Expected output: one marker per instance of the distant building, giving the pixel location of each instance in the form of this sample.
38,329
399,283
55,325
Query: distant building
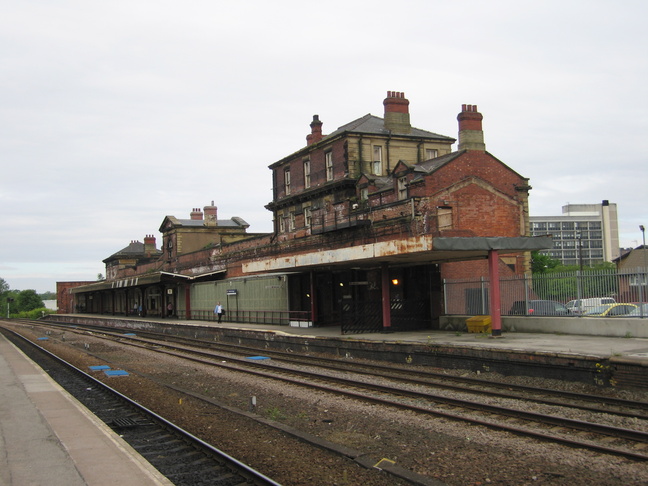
633,267
585,234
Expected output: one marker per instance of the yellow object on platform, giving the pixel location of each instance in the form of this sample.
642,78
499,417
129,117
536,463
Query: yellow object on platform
479,324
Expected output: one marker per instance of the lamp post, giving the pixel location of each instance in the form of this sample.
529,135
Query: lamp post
643,249
579,242
643,238
643,282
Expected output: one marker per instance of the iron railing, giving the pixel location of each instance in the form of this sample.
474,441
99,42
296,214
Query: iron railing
471,296
271,317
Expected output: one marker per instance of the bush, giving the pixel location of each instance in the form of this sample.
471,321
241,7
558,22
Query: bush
34,314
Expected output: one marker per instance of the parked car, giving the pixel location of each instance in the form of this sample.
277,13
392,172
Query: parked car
611,310
581,306
538,308
640,311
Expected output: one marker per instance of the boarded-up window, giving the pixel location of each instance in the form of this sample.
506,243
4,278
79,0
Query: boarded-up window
444,216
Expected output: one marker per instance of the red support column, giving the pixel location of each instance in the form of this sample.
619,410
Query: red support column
495,300
386,300
187,291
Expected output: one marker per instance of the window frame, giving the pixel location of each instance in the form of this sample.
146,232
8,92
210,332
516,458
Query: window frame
307,174
377,162
402,188
287,181
328,162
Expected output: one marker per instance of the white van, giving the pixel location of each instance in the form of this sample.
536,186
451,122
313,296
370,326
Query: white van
580,306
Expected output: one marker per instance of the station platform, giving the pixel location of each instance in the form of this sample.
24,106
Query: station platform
48,438
593,346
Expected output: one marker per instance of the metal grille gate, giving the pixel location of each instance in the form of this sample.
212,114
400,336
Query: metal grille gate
366,316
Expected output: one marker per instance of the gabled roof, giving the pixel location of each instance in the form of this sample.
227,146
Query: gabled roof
375,125
369,125
134,250
234,222
635,258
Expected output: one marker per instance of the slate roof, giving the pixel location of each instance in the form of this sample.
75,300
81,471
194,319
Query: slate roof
634,258
375,125
133,250
234,222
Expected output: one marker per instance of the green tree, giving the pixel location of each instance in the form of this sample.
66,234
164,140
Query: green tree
48,296
4,287
4,295
542,263
28,300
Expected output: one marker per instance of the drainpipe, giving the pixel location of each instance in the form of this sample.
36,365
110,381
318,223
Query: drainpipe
495,301
360,168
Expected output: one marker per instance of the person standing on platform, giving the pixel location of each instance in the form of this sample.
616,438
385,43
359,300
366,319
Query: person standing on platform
218,310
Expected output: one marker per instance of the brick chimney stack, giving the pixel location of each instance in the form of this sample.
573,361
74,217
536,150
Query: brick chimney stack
196,214
471,135
316,131
149,244
397,117
211,215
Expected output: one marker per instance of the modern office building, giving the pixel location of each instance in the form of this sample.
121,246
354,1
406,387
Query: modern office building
585,234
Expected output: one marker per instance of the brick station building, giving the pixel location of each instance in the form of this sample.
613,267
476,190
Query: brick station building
368,221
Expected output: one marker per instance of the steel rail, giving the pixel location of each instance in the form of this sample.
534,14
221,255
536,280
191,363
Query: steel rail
245,472
531,416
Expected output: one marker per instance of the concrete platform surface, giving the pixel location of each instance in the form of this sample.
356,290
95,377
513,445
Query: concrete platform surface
48,438
599,346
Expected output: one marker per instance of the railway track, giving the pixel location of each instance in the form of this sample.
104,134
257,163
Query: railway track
549,426
180,456
466,384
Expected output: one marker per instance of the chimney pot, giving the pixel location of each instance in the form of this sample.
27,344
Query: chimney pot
471,134
397,118
211,215
316,131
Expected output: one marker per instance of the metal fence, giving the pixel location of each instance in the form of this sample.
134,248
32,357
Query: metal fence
471,296
272,317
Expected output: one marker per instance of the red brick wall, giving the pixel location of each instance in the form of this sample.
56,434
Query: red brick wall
64,299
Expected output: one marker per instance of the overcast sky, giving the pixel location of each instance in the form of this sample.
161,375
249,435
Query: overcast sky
116,114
